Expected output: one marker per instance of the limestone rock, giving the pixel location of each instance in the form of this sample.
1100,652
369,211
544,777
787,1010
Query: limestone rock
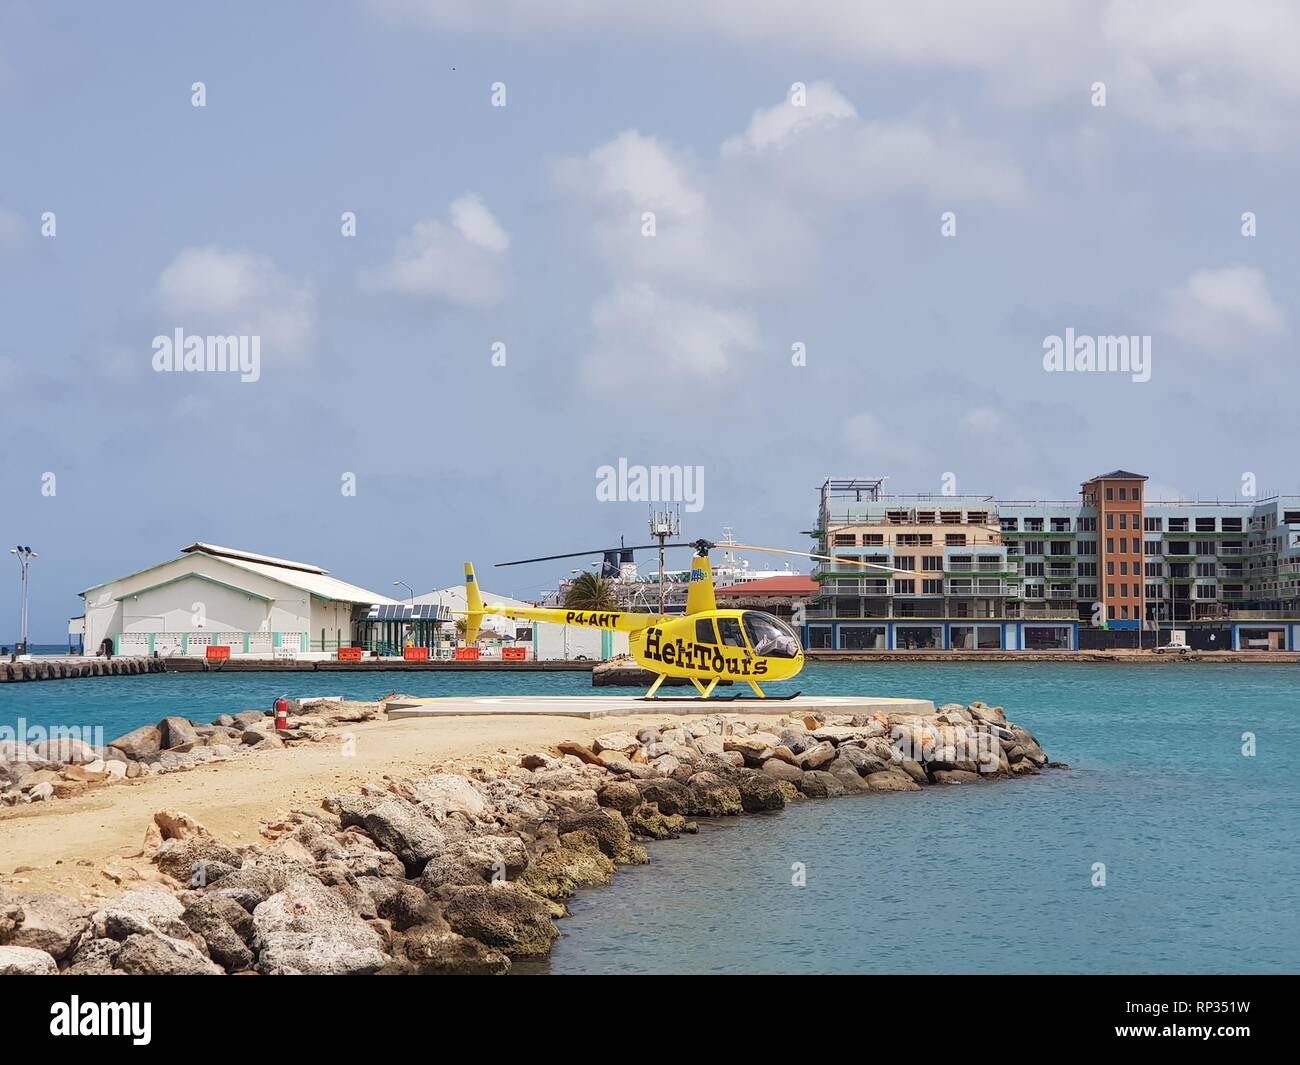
501,915
429,950
144,742
152,954
611,832
26,961
43,921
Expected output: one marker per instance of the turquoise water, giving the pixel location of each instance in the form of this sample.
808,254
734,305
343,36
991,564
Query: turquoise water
1198,841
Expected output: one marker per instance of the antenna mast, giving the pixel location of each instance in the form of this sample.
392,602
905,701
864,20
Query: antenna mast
663,526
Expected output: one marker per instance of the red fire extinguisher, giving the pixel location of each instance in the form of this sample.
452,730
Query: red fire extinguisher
282,713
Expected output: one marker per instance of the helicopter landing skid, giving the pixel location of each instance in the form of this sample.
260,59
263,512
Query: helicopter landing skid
737,697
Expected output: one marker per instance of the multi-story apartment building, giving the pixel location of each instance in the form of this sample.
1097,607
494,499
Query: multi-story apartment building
1034,574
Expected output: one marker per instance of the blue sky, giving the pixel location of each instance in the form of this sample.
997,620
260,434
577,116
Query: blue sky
775,224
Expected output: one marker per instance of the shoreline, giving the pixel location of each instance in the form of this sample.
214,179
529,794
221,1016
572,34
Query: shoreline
438,845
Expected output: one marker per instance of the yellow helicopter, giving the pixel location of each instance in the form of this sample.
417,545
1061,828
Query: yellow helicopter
705,645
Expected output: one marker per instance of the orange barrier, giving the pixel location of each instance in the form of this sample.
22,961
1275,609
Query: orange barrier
415,654
349,654
466,654
514,654
217,653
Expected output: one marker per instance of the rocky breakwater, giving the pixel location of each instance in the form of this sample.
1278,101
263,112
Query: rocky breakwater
66,668
63,766
463,869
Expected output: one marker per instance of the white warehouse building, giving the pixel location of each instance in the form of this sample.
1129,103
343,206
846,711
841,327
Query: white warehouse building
213,596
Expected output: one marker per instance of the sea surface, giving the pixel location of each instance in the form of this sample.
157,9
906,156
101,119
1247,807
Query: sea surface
1199,841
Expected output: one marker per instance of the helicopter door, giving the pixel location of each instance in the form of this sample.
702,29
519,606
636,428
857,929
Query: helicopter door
731,633
704,631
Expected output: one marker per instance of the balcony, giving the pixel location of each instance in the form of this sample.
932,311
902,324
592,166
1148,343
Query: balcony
980,588
867,588
1000,567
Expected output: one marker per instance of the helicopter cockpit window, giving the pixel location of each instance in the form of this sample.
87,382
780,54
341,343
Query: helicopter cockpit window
729,629
704,631
769,636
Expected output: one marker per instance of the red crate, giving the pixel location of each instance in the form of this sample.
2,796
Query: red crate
349,654
415,654
466,654
514,654
217,653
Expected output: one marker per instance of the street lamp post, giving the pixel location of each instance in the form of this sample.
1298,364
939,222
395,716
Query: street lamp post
25,556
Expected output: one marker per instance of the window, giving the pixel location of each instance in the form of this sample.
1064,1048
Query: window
1010,524
955,540
1033,547
1123,520
729,628
704,631
1110,521
1205,525
1123,493
1137,492
932,563
1087,547
1123,545
873,539
1110,569
1178,525
1123,613
1033,569
1153,569
1087,524
1087,591
1205,569
932,587
1231,525
907,587
1153,591
1123,569
1152,524
1060,525
862,637
1110,493
1087,569
1151,547
1110,593
1205,547
1110,545
918,638
845,540
905,562
768,636
1123,591
1033,525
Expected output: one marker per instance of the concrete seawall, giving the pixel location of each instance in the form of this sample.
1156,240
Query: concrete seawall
66,668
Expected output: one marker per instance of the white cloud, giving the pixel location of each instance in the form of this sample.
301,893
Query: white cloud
463,263
1229,309
874,447
774,127
983,421
225,292
475,223
638,329
747,223
1219,74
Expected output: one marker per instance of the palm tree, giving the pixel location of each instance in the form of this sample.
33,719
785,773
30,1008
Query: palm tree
590,591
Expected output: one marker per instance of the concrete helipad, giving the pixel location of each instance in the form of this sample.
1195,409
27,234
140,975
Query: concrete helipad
592,706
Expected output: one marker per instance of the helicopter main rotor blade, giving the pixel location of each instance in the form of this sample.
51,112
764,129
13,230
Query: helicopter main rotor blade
825,558
585,554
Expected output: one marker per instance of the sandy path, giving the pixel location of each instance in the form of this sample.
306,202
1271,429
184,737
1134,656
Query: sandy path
66,843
